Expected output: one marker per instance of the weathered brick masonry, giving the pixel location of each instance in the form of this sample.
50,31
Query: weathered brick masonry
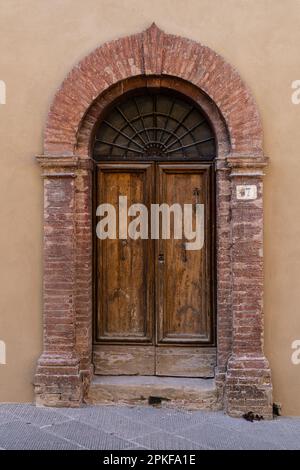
152,59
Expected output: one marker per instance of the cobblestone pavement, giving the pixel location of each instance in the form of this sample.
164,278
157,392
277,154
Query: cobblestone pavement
24,426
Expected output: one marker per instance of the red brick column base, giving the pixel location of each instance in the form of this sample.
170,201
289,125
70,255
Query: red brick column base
248,386
58,382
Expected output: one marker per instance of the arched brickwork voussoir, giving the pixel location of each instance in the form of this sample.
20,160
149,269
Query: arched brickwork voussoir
64,369
153,52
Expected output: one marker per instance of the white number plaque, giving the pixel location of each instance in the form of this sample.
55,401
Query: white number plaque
246,192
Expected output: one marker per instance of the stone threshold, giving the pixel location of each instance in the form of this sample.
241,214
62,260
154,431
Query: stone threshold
179,392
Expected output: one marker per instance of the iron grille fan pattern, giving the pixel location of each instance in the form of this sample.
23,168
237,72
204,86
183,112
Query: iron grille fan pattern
157,125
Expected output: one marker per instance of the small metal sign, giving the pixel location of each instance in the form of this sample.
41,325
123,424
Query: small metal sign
246,192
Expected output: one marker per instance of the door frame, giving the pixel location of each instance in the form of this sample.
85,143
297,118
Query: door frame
153,58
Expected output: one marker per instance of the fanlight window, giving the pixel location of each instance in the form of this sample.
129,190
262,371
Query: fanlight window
155,125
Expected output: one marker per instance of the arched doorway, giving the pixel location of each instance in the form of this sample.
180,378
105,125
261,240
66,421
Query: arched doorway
155,310
153,60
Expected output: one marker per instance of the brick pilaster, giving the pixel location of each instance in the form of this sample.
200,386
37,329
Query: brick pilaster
58,380
248,377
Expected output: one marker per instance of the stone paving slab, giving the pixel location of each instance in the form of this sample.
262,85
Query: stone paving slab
216,437
24,426
22,436
86,436
175,420
34,415
6,417
281,432
109,419
165,441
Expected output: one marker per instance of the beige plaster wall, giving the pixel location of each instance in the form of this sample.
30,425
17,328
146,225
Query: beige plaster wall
40,40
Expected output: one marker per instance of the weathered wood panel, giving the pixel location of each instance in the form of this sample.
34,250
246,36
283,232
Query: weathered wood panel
185,362
124,360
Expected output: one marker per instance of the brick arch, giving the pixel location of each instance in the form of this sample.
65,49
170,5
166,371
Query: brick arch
154,59
153,52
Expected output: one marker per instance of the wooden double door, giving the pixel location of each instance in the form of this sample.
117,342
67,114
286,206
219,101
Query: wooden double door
154,297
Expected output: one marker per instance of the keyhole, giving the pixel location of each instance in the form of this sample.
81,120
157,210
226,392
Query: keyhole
123,246
161,258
